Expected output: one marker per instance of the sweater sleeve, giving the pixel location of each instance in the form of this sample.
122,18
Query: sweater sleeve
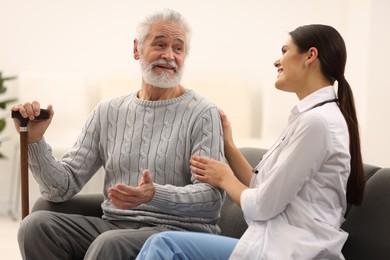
59,180
197,199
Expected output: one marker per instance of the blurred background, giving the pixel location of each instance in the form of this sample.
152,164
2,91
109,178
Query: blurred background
73,54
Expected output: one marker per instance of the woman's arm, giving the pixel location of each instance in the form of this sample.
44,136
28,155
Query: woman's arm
233,178
240,166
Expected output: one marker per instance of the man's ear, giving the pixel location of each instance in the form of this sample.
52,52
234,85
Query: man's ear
136,54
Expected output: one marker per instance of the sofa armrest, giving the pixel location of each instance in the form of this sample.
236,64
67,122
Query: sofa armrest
83,204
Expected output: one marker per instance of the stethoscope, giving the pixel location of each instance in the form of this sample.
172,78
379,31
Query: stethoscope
256,169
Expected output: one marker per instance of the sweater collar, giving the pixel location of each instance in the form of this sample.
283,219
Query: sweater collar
156,103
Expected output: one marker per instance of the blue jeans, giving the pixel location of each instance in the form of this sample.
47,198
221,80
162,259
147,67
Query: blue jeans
187,246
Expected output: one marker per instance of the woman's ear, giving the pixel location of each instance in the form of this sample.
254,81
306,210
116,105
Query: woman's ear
312,55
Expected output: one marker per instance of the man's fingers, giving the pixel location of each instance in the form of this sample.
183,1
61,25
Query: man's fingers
147,178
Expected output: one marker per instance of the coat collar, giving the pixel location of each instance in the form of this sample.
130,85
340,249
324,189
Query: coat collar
321,95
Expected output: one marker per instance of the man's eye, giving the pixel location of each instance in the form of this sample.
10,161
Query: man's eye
179,49
159,45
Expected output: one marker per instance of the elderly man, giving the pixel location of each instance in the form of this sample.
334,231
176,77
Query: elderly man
144,141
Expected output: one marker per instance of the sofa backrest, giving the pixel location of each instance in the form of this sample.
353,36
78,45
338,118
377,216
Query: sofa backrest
369,171
368,225
232,222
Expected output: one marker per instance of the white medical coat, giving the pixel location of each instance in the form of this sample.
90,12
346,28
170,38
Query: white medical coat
297,201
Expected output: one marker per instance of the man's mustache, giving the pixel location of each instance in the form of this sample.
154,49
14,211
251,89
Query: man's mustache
171,63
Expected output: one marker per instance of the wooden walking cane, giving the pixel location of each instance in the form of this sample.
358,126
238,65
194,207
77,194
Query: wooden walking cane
23,122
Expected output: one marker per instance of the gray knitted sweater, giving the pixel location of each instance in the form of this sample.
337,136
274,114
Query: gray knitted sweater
126,135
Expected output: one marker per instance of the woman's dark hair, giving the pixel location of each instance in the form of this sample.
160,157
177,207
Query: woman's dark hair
332,55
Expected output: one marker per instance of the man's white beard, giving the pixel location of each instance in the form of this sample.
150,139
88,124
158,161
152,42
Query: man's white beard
164,80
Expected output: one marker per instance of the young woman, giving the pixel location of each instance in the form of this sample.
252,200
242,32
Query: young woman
295,199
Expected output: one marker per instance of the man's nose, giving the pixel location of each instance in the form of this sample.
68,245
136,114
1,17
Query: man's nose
169,54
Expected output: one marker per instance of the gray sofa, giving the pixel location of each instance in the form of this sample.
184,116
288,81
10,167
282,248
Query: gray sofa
368,225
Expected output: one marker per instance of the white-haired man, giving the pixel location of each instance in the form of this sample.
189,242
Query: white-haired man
144,141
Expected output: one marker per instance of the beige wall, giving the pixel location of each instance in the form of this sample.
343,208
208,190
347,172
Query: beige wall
234,43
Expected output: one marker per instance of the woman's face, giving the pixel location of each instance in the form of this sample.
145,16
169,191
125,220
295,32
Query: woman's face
290,68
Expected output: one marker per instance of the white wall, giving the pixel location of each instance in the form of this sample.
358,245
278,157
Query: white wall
377,128
232,41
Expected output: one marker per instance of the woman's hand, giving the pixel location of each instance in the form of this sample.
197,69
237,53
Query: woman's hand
218,174
211,171
227,129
